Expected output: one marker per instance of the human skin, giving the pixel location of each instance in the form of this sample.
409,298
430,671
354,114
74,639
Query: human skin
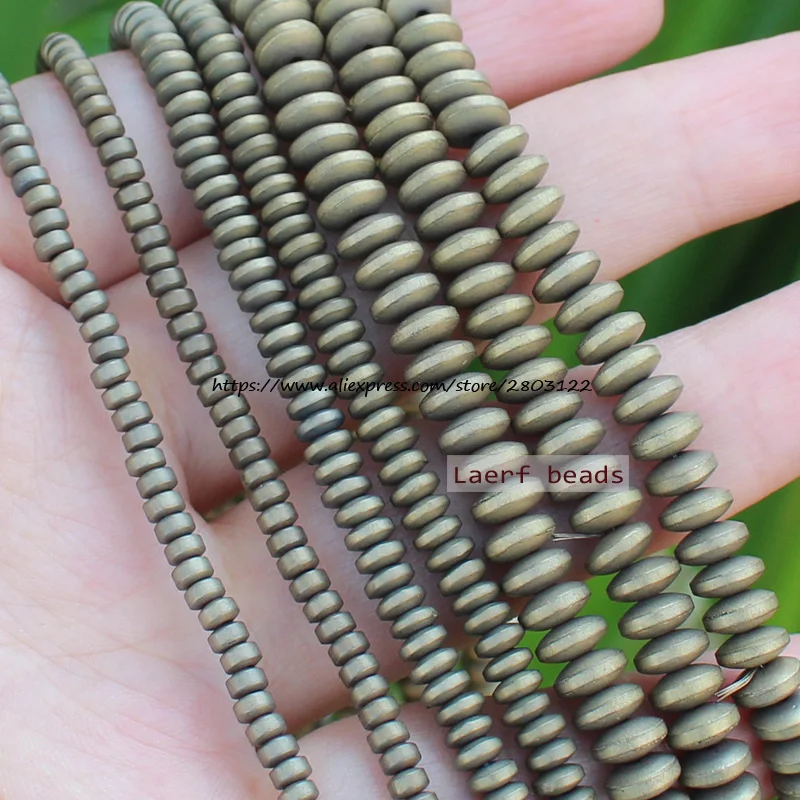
107,688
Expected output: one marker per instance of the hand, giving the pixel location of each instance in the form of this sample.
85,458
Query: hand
107,688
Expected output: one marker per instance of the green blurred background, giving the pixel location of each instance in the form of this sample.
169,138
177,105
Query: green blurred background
725,259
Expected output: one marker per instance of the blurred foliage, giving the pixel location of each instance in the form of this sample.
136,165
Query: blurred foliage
736,265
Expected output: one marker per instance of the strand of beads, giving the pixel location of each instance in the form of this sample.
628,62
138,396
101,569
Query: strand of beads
156,482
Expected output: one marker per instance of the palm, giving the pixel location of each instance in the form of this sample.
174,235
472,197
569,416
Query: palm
107,688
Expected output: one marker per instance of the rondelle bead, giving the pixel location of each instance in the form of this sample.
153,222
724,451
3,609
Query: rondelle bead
681,473
338,169
426,29
554,606
618,549
359,30
430,182
541,730
656,615
536,572
752,649
625,369
479,284
400,757
603,511
303,789
365,236
574,437
530,211
380,94
291,40
472,430
630,740
404,11
704,726
783,757
351,202
519,538
40,198
551,754
770,684
745,787
424,328
565,276
545,245
609,336
608,707
443,91
590,673
571,639
497,315
711,543
245,682
520,685
648,399
787,786
727,577
320,142
559,781
582,793
543,413
514,178
308,111
494,149
479,752
588,306
395,123
715,766
695,509
780,722
665,436
404,296
370,65
465,249
741,612
671,651
646,778
449,215
515,346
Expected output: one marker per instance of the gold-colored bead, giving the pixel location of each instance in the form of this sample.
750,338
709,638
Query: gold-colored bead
630,740
609,707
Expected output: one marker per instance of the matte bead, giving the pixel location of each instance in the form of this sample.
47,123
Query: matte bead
630,740
671,651
648,777
608,707
665,436
752,649
703,727
771,684
715,766
713,542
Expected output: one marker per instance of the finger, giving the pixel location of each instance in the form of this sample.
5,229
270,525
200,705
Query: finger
653,158
570,40
529,48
